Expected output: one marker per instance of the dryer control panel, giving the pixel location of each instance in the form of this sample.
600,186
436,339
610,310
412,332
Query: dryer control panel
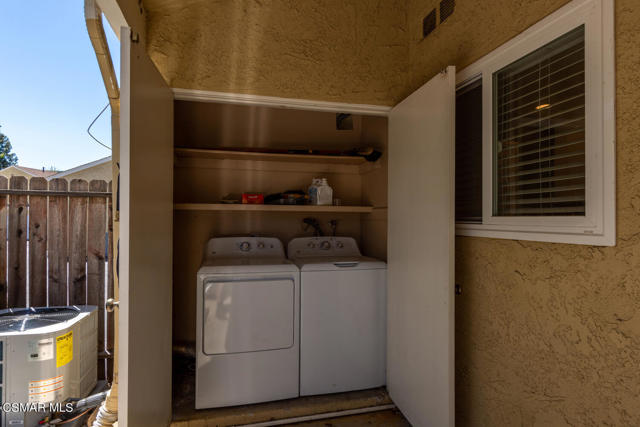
302,247
244,246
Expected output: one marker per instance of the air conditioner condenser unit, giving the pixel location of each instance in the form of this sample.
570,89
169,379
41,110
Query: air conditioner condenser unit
47,355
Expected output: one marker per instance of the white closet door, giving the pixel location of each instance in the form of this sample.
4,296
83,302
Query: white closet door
420,328
146,217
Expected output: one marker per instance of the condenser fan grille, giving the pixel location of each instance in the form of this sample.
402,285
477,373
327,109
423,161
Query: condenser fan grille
26,319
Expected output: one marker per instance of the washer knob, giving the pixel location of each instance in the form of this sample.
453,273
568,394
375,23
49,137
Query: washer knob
325,245
340,244
311,245
260,245
245,246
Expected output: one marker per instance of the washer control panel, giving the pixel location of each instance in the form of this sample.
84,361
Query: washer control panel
245,246
322,246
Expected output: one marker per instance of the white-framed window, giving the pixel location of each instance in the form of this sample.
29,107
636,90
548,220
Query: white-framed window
547,132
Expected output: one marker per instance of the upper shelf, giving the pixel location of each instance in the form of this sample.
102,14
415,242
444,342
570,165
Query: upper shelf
271,157
271,208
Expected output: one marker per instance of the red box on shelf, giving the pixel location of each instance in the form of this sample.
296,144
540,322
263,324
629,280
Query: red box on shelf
252,199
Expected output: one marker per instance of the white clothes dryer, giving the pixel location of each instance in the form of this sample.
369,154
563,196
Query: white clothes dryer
247,331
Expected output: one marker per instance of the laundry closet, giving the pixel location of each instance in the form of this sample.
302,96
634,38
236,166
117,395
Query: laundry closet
185,157
209,166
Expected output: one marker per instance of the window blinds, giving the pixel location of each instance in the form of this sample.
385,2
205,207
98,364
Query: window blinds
539,131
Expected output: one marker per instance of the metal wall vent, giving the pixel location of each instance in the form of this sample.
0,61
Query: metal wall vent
446,9
429,23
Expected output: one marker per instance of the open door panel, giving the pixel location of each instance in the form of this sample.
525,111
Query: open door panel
145,261
420,328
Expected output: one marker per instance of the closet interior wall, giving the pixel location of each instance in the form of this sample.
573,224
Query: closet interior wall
207,180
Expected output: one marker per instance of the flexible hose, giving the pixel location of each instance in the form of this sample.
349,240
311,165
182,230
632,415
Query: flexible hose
105,418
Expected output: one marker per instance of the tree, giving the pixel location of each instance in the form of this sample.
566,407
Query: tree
7,158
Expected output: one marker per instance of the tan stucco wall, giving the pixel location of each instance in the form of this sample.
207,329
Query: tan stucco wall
330,50
546,334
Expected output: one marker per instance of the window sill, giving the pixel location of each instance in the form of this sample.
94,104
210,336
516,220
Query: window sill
495,232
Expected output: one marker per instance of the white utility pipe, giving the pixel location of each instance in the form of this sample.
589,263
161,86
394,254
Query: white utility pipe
108,413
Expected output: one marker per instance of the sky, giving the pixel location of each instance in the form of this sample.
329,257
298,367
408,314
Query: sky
50,84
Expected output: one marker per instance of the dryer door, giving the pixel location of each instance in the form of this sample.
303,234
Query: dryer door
248,315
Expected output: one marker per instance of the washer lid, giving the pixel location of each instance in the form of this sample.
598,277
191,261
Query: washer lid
339,264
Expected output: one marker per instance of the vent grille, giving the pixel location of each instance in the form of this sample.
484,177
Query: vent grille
429,23
26,319
446,9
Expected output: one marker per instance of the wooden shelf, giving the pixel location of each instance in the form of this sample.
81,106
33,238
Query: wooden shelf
270,157
218,207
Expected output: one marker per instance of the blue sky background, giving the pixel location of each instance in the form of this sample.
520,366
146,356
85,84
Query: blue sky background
50,84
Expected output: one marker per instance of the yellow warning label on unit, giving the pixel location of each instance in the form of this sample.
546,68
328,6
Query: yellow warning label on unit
64,349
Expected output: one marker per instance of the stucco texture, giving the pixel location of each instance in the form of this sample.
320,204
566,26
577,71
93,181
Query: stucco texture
314,49
546,334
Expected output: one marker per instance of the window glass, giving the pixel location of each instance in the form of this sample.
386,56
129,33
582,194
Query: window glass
539,131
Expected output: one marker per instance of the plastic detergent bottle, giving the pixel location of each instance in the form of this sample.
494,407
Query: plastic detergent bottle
313,191
324,193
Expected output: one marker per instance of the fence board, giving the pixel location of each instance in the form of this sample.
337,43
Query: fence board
18,244
62,237
78,243
57,240
112,262
4,209
38,244
96,255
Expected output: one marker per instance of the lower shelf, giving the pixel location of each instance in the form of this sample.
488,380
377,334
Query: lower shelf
270,208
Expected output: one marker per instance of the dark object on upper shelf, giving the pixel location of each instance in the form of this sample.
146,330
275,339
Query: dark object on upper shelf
291,197
370,154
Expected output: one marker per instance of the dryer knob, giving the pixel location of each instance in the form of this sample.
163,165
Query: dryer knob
311,245
325,245
340,244
245,246
260,245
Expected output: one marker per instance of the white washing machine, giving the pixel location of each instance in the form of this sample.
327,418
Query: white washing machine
247,339
343,316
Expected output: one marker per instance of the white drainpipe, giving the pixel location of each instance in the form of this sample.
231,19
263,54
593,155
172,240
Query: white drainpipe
108,413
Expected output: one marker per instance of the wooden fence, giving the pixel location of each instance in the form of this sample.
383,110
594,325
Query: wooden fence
55,249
